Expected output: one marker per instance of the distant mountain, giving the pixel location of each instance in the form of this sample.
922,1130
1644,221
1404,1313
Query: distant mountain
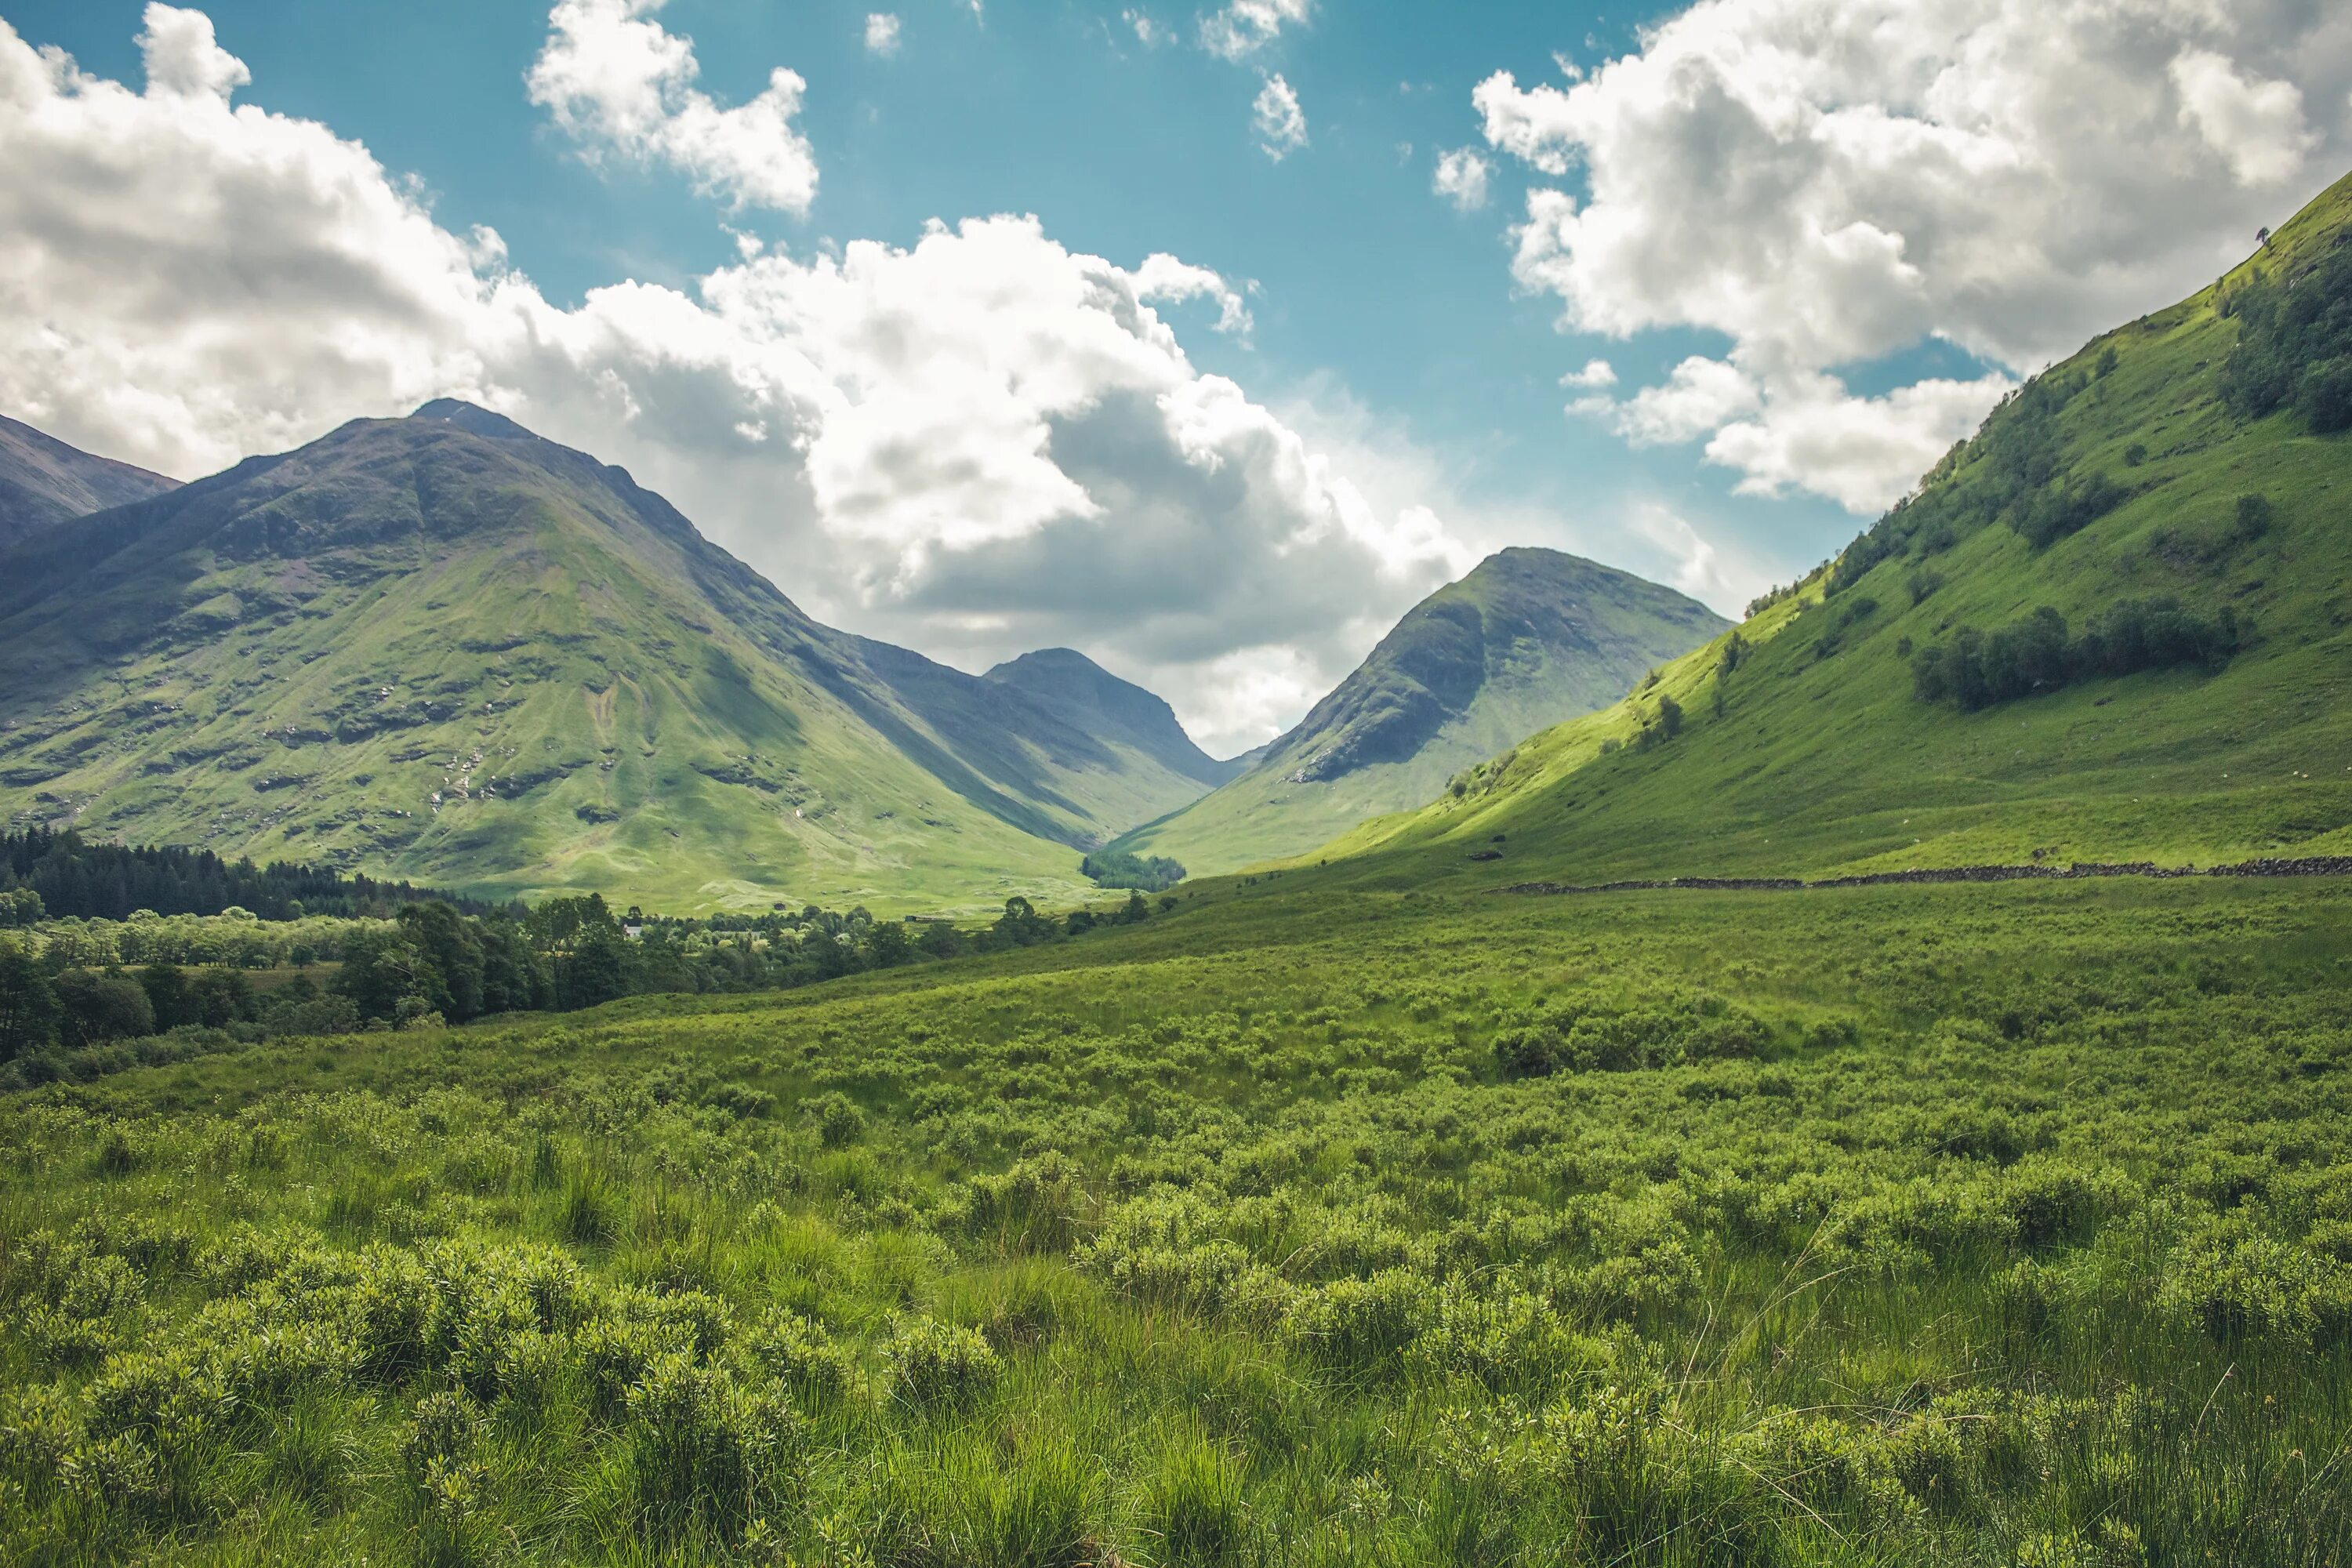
1529,637
1093,699
443,649
2115,626
44,482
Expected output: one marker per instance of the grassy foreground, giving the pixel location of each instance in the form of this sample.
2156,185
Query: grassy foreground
2005,1225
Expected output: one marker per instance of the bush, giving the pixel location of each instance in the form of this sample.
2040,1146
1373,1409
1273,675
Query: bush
803,1356
936,1366
704,1452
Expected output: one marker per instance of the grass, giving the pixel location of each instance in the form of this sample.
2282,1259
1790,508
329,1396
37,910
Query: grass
1935,1224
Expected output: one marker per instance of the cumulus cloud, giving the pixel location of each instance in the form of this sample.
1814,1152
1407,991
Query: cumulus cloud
881,34
1245,26
1148,33
1461,178
1596,373
1830,182
1280,123
1811,434
622,84
2256,125
1702,394
974,443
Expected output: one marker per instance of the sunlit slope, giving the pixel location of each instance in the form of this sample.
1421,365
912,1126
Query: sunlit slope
1823,756
297,658
1529,637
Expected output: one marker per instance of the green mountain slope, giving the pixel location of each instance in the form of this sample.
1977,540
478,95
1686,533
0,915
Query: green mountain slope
445,649
1092,698
2192,459
1529,637
44,482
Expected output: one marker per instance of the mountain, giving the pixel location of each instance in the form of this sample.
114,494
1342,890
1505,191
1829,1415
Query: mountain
44,482
1528,638
2114,625
1091,697
445,649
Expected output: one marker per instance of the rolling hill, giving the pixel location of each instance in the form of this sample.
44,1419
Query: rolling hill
2114,625
44,482
445,649
1529,637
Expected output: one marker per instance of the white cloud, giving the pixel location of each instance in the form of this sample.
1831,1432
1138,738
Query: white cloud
618,82
1280,123
881,34
976,444
1596,373
1148,33
1461,178
1830,181
1702,394
1245,26
2258,126
1861,452
183,57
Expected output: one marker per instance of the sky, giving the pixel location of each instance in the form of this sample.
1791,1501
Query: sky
1203,338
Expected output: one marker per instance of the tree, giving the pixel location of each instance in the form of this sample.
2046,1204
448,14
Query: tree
96,1007
383,967
453,949
166,985
1669,716
29,1006
940,940
887,946
1137,911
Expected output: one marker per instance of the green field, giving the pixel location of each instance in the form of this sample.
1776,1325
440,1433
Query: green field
1955,1224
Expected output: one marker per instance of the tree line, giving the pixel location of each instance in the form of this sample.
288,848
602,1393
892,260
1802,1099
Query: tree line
2037,653
63,876
433,964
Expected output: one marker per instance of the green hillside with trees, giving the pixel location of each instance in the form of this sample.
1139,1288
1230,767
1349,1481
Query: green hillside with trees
2116,625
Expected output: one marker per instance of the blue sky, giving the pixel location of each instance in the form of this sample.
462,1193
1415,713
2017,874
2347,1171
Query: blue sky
1805,278
1123,150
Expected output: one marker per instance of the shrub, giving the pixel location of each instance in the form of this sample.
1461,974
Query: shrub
803,1356
936,1366
705,1452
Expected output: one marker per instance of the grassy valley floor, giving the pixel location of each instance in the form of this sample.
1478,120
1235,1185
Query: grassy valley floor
2005,1225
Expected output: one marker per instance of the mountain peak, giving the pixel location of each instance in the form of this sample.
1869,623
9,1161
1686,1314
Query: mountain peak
1528,638
473,418
1102,705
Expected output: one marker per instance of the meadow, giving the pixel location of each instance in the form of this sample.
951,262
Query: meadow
2002,1224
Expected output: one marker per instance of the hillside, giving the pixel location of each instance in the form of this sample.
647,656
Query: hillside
1529,637
44,482
443,649
1088,697
2114,625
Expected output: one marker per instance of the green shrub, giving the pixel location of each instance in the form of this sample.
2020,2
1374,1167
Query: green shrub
705,1452
935,1365
804,1357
